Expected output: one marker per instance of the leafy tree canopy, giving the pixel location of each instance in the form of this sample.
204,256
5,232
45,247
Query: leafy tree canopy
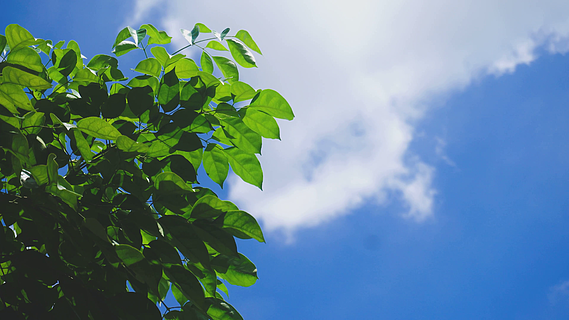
102,212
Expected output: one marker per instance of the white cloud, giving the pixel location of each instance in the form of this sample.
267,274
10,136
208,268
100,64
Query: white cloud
360,75
559,292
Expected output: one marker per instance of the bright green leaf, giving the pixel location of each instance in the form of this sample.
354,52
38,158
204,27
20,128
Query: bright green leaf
161,54
260,122
26,57
271,102
242,91
203,28
12,96
216,45
33,121
156,37
206,62
82,144
24,79
150,66
186,68
246,166
247,40
17,37
242,136
228,68
126,144
215,163
98,128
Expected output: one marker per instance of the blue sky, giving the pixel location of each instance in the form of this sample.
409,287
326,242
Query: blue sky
425,176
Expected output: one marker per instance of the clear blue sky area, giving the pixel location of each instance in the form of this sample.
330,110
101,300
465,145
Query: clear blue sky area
497,245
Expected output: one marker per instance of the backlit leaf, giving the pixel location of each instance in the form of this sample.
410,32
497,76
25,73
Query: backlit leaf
228,68
98,128
150,66
17,37
260,122
156,37
12,96
206,62
216,45
26,57
24,79
271,102
241,136
244,36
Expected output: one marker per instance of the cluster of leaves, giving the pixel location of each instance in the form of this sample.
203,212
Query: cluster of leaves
102,213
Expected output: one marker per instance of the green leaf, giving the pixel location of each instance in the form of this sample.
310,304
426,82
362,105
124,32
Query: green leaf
260,122
242,136
150,66
206,62
271,102
216,45
246,166
182,235
85,76
3,43
195,33
186,68
126,144
143,81
167,254
40,174
239,271
156,37
215,163
124,47
242,91
169,93
161,54
241,53
187,283
12,96
228,68
52,168
208,207
101,61
82,144
26,57
247,40
203,28
32,122
243,225
17,36
221,310
66,61
128,254
125,33
216,238
24,79
224,33
98,128
171,183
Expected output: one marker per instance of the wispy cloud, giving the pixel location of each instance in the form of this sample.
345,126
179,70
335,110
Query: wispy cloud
360,75
559,292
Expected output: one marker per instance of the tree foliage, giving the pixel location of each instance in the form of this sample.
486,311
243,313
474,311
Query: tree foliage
102,212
